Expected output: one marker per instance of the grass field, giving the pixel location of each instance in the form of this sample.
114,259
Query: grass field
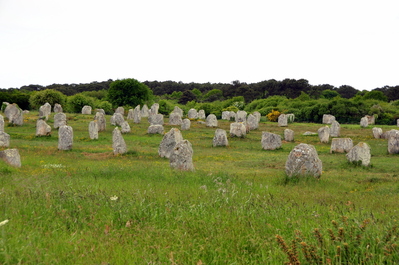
87,206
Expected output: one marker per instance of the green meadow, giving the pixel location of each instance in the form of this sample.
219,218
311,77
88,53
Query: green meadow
87,206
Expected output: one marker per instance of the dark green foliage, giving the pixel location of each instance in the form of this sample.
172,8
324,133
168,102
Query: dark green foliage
77,102
39,98
128,92
165,107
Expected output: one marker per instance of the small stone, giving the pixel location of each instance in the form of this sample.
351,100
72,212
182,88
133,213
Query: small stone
185,125
201,114
282,120
288,135
125,127
154,129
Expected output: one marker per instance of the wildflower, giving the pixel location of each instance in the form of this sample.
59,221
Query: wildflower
114,198
4,222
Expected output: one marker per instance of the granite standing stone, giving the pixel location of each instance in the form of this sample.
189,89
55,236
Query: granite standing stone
144,111
211,121
257,115
201,114
155,129
335,130
65,137
303,160
175,119
118,143
42,128
154,109
364,122
45,111
117,119
4,139
100,118
169,141
238,129
137,115
57,108
288,135
11,157
125,127
182,156
270,141
120,110
324,134
192,114
360,153
185,125
328,118
220,138
241,116
59,120
130,114
252,122
14,114
93,130
393,142
377,132
156,119
282,120
341,145
226,115
1,123
178,110
86,110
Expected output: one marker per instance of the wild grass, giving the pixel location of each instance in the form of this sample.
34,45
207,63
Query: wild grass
87,206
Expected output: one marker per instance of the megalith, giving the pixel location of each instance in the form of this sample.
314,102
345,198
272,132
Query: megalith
182,156
220,138
118,143
65,137
360,153
303,160
169,141
270,141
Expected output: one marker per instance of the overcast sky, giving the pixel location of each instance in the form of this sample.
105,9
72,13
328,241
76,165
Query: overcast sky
338,42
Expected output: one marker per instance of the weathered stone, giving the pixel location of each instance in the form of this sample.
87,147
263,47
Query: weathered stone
182,156
144,111
241,116
341,145
370,119
282,120
1,123
117,119
303,160
42,128
211,121
14,114
393,142
65,137
233,116
101,111
178,110
125,127
364,122
59,120
290,117
154,109
130,114
120,110
86,110
169,141
118,143
220,138
100,118
397,122
288,135
156,119
270,141
377,132
252,122
11,157
360,153
201,114
226,115
45,111
328,118
137,115
153,129
175,118
93,130
192,114
4,139
185,125
257,115
309,133
57,108
388,134
335,130
324,134
238,129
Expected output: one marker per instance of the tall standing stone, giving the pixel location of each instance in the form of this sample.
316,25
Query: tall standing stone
220,138
211,121
11,157
59,120
169,141
185,125
328,118
341,145
86,110
137,115
360,153
324,134
303,160
252,122
257,115
130,114
1,123
144,111
393,142
178,110
288,135
14,114
42,128
364,122
100,118
65,137
120,110
118,143
335,130
238,129
57,108
93,130
201,114
175,119
241,116
282,120
182,156
270,141
117,119
226,115
45,111
154,109
4,139
192,114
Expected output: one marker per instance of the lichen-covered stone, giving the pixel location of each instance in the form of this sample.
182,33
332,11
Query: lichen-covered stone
324,134
185,125
42,128
60,119
175,118
282,120
11,157
335,130
182,156
65,137
211,121
86,110
238,129
118,143
360,153
288,135
154,129
93,130
303,160
270,141
169,141
341,145
328,118
220,138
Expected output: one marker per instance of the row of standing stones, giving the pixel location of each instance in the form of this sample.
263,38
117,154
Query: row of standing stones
302,160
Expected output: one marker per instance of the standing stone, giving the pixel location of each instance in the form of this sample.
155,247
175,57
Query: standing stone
282,120
238,129
86,110
328,119
4,139
11,157
201,114
137,115
397,122
192,114
185,125
14,114
364,122
335,130
156,119
117,119
341,145
101,111
154,129
65,137
125,127
252,122
370,119
118,143
226,115
59,120
303,160
377,132
154,109
130,114
257,115
288,135
360,153
45,111
175,119
182,156
57,108
388,134
270,141
233,116
1,123
211,121
290,117
93,130
178,110
324,134
220,138
144,111
169,142
241,116
120,110
42,128
393,142
101,122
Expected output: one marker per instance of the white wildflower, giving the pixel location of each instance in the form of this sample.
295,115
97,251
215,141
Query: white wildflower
3,223
114,198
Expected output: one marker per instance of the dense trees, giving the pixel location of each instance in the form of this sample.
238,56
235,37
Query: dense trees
51,96
128,92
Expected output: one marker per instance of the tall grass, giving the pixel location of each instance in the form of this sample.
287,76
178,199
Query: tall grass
87,206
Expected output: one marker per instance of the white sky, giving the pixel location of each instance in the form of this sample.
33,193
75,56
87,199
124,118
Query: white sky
337,42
